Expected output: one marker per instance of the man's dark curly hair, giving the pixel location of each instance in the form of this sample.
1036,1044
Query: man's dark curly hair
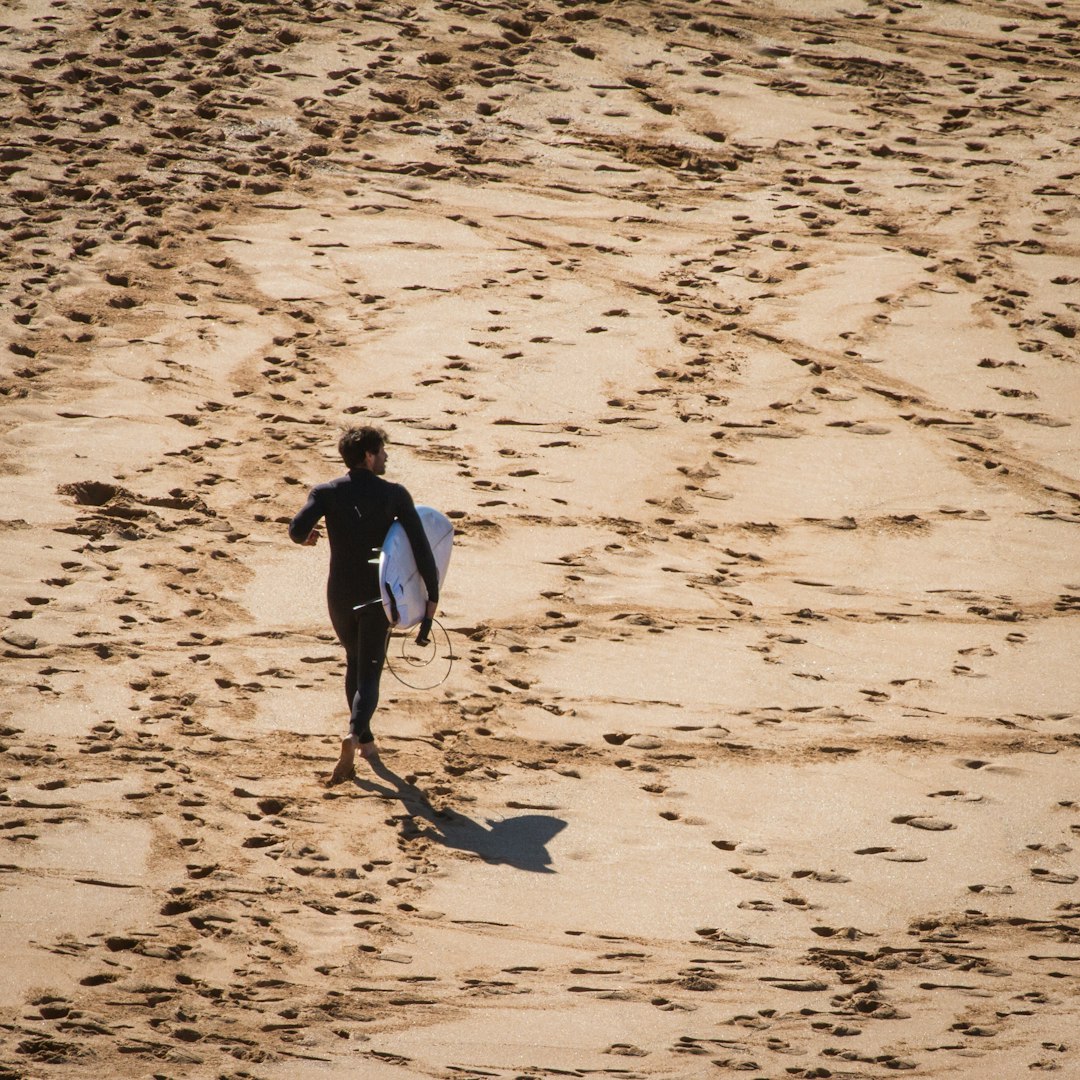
356,442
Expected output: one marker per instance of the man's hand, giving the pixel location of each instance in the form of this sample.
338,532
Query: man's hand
312,538
423,637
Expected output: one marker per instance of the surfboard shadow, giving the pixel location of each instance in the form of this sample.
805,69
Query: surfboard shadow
520,842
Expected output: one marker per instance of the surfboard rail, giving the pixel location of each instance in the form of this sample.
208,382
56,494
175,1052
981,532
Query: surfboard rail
401,587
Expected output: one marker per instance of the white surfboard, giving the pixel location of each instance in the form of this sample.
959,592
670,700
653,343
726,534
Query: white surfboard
404,595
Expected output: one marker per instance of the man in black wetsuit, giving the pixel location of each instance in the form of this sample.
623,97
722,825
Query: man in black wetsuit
359,508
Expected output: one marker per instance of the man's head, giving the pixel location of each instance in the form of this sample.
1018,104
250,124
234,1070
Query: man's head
364,448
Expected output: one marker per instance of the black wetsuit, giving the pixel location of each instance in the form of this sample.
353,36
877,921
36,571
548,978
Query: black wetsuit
359,509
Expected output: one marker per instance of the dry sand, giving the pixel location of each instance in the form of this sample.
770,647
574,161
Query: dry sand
740,341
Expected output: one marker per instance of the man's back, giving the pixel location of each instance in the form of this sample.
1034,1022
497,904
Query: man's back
359,509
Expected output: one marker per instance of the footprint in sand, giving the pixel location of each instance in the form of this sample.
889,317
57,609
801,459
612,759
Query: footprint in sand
752,875
849,933
917,821
756,905
1050,849
890,854
826,876
1054,877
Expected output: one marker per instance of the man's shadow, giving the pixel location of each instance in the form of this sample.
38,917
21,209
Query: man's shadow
520,841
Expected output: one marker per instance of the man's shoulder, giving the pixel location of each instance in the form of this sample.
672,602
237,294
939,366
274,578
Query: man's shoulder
400,493
385,487
331,485
371,486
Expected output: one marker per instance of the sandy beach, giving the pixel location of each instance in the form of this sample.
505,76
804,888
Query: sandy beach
738,340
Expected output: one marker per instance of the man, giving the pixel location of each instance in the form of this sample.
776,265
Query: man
359,508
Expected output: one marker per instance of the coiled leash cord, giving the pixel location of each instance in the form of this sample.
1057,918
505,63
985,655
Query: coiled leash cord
431,646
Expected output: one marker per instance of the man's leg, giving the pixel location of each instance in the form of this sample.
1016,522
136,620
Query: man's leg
345,622
363,635
370,655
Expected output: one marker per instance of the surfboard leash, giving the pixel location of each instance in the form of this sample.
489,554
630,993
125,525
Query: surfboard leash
430,645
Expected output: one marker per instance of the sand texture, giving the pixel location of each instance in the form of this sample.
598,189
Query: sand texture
738,339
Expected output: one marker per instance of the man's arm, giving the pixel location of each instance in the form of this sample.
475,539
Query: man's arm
302,527
425,561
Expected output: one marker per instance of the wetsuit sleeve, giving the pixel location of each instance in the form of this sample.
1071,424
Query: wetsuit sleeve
405,512
300,527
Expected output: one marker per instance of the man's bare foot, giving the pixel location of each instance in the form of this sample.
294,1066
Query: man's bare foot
344,770
369,751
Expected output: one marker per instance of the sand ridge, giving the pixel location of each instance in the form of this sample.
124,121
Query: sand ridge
738,340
